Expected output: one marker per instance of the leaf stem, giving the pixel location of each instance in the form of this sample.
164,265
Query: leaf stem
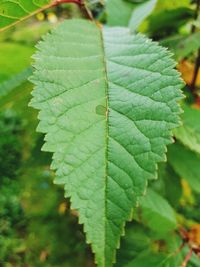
197,64
86,10
187,258
196,70
83,7
57,2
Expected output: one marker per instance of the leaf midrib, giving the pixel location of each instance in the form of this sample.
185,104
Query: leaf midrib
106,137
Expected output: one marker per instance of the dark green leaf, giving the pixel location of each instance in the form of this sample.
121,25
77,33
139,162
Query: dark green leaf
186,163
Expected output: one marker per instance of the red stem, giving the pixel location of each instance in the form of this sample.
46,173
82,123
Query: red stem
81,4
57,2
187,258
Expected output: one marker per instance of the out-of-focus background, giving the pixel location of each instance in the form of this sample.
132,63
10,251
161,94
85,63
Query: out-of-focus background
37,227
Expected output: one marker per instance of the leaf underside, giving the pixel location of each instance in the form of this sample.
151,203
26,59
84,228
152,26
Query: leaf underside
108,102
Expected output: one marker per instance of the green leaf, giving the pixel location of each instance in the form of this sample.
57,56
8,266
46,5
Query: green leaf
168,184
168,21
136,240
108,102
132,13
186,164
119,12
166,4
156,213
10,64
182,46
15,81
140,13
189,133
14,11
147,259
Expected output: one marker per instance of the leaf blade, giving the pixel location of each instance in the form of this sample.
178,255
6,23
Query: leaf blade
157,213
89,81
186,163
11,12
140,13
189,133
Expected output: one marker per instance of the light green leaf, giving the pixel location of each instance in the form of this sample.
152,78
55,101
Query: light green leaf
140,13
186,163
108,102
189,133
156,213
119,12
172,4
124,13
14,11
15,81
10,64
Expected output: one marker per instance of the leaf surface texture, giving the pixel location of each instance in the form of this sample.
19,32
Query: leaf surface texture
108,102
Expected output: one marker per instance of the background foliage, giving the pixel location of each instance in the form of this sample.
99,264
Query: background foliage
37,227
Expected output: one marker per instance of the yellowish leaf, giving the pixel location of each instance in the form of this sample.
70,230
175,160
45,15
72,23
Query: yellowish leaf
187,70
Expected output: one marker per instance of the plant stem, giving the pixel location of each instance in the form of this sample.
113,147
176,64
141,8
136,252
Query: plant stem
196,71
81,3
187,258
86,11
57,2
197,64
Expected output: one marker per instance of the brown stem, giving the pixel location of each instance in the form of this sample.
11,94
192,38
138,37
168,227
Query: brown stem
196,71
187,258
57,2
83,7
85,10
197,64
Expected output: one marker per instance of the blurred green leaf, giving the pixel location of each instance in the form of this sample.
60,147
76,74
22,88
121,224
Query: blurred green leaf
132,13
136,240
28,35
156,213
147,259
172,4
140,13
189,133
14,59
10,146
186,163
182,46
168,21
119,12
168,184
15,81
